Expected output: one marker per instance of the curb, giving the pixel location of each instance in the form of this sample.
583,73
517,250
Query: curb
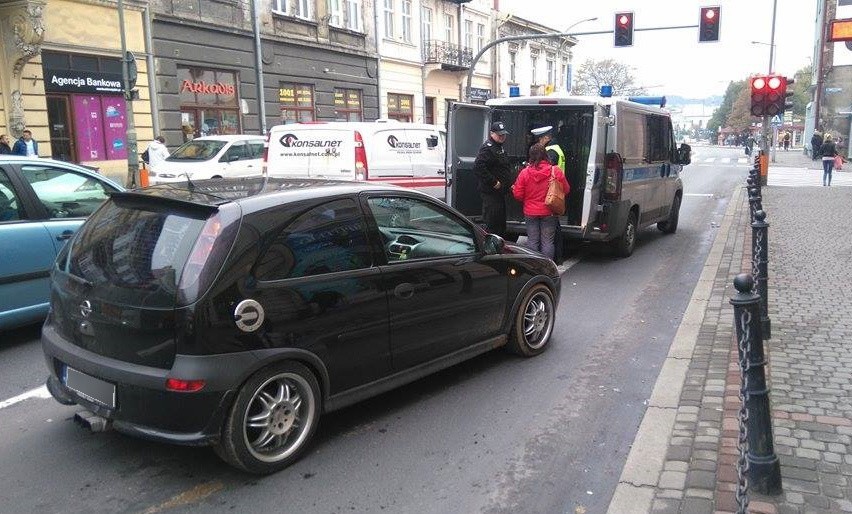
634,493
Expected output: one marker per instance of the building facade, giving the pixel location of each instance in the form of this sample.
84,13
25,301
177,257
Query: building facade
318,59
531,67
63,80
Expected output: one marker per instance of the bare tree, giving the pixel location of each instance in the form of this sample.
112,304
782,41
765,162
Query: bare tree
593,74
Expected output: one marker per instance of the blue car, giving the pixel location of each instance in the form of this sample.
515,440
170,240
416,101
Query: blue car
42,204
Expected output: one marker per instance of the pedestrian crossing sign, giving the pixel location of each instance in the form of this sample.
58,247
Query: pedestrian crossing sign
776,121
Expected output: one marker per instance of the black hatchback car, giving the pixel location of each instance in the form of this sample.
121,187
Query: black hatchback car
233,312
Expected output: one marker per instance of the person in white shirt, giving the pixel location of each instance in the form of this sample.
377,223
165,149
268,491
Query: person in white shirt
157,152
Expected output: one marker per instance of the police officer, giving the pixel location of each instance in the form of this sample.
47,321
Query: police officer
492,169
554,152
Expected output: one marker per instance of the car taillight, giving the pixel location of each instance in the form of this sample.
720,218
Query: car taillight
613,177
184,386
208,254
360,158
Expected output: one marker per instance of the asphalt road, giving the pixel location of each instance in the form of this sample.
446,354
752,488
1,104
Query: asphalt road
496,434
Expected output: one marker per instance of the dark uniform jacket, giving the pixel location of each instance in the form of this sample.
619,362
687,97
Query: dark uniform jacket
491,165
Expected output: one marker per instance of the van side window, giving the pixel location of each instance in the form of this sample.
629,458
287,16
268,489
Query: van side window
632,137
659,138
327,238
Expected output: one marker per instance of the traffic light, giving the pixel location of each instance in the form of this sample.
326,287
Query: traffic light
759,91
624,29
708,23
769,95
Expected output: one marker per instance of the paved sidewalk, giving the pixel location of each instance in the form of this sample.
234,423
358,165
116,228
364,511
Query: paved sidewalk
683,458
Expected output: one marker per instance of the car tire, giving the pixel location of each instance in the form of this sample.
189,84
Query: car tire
626,243
533,324
272,420
670,225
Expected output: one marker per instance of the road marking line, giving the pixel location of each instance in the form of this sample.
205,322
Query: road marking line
710,159
570,263
38,392
707,195
726,160
194,495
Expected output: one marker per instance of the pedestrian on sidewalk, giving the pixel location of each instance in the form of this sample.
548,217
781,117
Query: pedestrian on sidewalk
157,152
5,147
829,151
786,141
816,144
530,189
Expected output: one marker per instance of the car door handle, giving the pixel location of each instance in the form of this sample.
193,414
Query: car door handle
404,290
65,235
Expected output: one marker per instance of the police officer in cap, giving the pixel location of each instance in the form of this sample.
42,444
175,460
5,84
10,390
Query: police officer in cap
554,152
492,169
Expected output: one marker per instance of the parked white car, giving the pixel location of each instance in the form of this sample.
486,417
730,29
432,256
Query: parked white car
212,157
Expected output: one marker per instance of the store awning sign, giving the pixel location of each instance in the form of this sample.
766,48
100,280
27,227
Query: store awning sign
69,81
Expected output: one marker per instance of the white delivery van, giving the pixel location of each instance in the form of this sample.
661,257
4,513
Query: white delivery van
405,154
622,162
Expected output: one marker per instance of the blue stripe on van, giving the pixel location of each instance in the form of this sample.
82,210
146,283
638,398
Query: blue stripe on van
643,173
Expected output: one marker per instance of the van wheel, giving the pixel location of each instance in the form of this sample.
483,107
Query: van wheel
272,420
670,225
533,322
625,244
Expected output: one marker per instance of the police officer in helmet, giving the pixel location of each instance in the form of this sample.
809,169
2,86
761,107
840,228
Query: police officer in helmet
492,169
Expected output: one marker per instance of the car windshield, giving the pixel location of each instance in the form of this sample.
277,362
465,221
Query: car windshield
197,150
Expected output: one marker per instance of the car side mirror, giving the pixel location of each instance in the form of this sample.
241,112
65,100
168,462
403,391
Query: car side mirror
684,154
494,244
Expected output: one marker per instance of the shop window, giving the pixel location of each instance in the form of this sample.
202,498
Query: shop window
347,105
297,102
400,107
429,114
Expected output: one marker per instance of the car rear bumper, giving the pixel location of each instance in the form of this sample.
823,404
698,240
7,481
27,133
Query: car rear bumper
143,406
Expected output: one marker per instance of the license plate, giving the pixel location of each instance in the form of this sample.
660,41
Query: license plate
91,388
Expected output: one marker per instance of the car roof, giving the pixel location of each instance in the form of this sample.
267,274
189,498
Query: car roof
92,172
257,193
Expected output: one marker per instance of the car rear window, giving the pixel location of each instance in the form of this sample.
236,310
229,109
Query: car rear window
134,255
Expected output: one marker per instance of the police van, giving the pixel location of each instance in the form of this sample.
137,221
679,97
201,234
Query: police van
405,154
622,162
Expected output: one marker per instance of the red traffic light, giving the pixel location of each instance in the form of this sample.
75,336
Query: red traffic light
758,83
623,29
709,20
774,82
769,95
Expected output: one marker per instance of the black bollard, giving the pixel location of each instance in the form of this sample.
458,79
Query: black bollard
760,463
754,202
754,175
760,268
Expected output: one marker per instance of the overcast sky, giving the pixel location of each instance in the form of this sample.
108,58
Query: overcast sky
672,62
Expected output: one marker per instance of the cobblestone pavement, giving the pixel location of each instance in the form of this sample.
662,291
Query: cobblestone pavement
810,371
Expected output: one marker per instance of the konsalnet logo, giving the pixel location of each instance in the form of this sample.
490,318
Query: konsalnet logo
291,141
394,142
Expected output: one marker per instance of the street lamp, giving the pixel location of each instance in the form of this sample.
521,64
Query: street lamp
516,38
771,55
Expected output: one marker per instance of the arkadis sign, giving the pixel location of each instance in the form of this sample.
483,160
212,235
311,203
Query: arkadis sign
69,81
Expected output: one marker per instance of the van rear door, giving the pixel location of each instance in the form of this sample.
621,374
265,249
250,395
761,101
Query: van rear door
311,151
467,131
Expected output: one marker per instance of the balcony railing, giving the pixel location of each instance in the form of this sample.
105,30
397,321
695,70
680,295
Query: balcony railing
451,57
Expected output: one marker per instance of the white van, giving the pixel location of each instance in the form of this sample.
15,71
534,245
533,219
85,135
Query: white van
405,154
622,162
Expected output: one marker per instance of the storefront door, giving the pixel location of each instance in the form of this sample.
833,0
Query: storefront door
59,122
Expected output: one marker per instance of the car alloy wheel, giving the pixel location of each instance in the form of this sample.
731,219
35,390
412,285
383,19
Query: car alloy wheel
533,322
272,420
278,417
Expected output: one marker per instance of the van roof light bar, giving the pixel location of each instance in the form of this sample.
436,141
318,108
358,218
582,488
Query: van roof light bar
659,101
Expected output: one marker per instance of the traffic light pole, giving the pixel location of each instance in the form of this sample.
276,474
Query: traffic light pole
132,152
771,63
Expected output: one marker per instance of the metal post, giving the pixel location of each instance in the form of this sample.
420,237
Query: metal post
132,152
772,69
758,460
754,202
258,63
760,266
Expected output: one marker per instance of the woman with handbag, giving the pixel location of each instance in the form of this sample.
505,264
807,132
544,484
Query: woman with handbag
541,188
829,152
